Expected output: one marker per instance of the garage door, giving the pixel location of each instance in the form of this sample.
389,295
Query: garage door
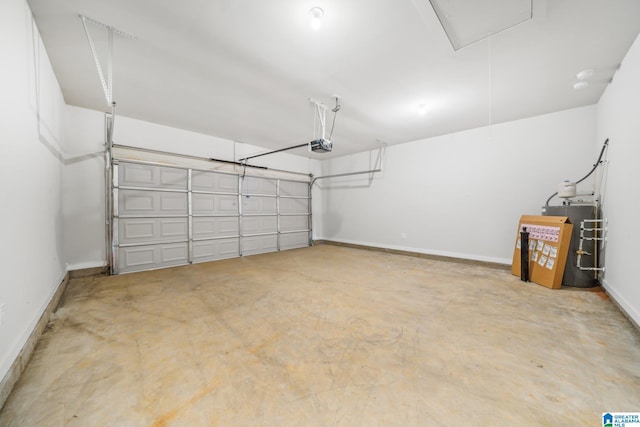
294,209
166,216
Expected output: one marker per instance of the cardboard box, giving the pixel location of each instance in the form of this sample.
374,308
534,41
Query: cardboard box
549,241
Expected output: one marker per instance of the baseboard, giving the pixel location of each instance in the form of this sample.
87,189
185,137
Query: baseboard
85,265
436,257
625,308
87,272
18,365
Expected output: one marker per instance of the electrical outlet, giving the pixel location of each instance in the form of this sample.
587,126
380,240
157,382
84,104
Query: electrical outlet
404,235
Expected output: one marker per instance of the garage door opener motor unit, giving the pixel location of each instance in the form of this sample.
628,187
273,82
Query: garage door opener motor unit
321,145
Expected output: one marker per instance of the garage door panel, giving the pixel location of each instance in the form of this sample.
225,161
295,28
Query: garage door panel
288,206
167,216
173,202
259,205
151,203
150,176
259,224
294,223
214,204
294,189
256,185
152,230
214,182
294,240
211,250
136,202
174,254
137,258
173,178
259,244
213,227
174,228
137,175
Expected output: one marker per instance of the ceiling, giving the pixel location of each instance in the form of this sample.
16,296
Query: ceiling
245,70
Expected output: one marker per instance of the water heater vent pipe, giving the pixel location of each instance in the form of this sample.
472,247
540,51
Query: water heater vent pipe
595,166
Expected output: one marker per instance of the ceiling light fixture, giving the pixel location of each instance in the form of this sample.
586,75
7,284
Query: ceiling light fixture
316,17
581,84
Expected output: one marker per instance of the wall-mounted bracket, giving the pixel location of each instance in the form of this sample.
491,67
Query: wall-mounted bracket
107,82
321,111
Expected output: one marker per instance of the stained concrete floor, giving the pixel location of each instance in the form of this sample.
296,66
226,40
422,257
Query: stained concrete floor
328,336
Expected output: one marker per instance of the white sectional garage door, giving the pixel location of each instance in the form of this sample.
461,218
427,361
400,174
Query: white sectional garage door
166,216
214,216
294,214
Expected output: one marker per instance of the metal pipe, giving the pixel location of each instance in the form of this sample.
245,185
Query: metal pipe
107,201
345,174
595,166
240,211
109,229
112,123
379,169
190,214
278,214
310,216
114,218
580,252
584,238
596,247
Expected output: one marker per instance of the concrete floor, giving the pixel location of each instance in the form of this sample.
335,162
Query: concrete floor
328,336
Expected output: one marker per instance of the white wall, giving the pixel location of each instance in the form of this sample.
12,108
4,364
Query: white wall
619,120
84,212
83,184
459,194
30,178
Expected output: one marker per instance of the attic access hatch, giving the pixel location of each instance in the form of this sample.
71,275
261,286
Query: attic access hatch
469,21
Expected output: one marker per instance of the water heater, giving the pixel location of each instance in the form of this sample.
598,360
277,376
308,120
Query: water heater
573,275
